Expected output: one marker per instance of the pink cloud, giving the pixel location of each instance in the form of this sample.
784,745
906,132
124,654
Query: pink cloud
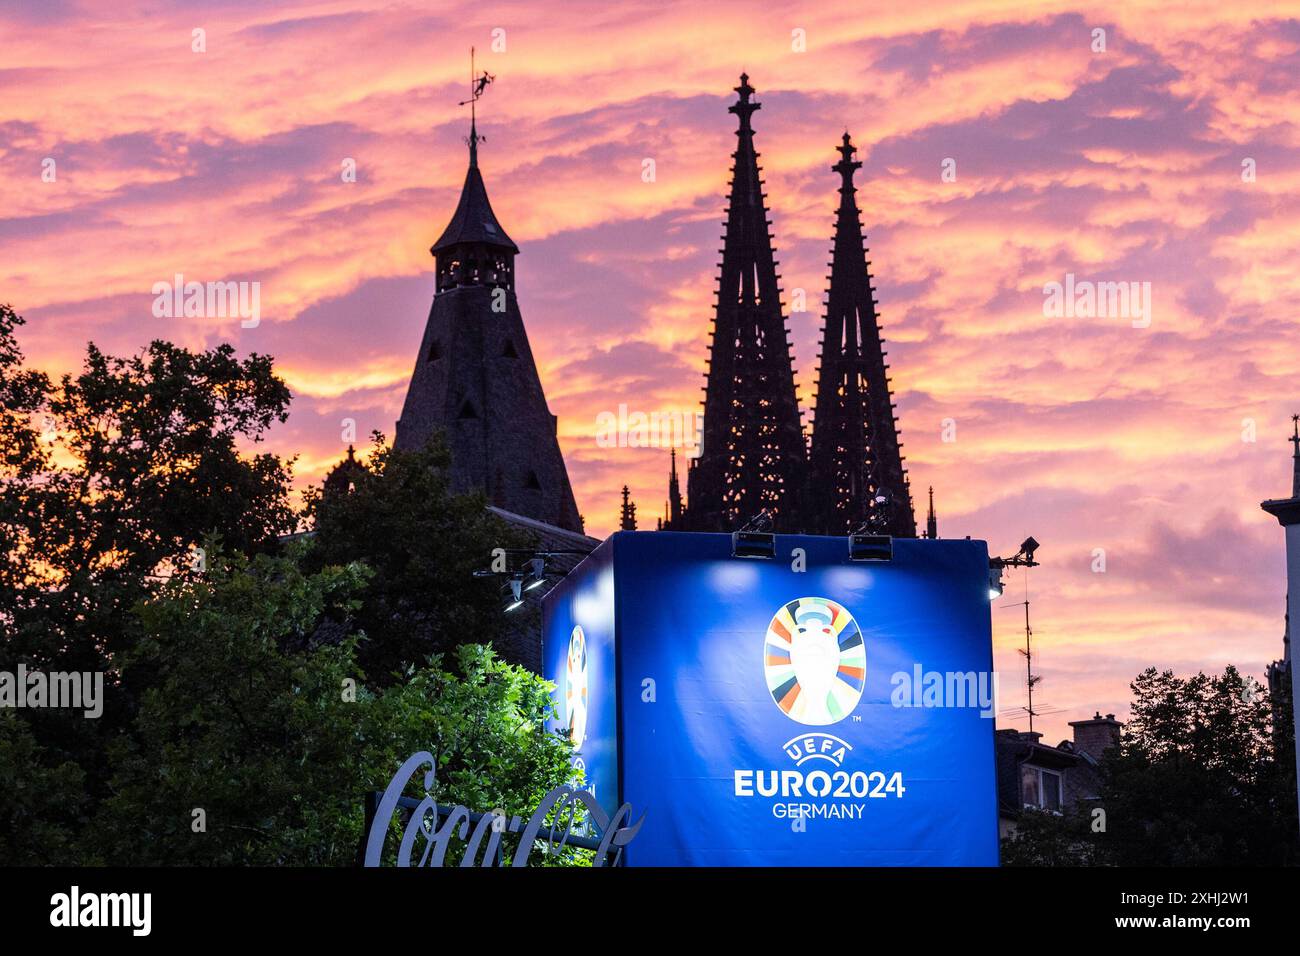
1086,433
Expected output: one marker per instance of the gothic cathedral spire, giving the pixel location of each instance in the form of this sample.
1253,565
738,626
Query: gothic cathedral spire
856,456
627,515
753,452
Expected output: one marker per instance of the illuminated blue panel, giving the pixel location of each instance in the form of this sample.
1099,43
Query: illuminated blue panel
578,657
800,710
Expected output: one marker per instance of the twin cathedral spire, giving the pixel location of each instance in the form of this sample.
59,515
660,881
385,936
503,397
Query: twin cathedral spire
754,456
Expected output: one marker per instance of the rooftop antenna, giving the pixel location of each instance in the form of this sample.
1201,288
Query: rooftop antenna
1030,677
1295,440
1024,558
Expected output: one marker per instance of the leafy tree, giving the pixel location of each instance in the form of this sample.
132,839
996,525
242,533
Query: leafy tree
1042,838
148,464
226,685
229,685
23,455
136,460
1204,776
254,721
108,481
42,807
424,543
1197,779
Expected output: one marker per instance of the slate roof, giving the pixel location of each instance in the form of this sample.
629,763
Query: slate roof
473,221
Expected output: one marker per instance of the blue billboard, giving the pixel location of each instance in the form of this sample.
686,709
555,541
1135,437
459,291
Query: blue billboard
804,709
578,656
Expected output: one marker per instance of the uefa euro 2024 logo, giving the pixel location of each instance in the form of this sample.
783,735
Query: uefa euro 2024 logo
814,661
815,664
575,687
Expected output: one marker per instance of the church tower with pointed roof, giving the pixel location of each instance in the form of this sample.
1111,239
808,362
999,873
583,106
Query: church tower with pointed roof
856,456
753,453
475,378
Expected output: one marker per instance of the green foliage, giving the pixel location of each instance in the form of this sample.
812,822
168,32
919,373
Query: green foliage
1042,838
107,481
484,723
424,544
1197,779
271,743
136,461
226,688
41,806
22,394
1204,776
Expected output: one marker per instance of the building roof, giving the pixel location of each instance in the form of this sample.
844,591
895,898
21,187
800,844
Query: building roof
473,221
549,533
1013,749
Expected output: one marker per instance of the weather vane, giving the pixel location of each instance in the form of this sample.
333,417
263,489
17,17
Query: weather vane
477,84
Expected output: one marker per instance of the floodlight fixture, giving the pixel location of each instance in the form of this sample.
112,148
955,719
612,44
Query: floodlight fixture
870,547
537,573
755,539
516,596
995,582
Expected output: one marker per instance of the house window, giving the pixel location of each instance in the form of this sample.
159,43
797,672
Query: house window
1041,788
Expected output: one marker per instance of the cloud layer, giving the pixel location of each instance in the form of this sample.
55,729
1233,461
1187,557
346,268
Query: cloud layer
1133,164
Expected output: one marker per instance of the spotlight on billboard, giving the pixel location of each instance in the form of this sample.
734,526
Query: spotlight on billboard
537,574
753,544
515,597
995,583
870,547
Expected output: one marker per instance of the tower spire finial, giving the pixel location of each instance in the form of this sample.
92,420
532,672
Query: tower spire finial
673,507
743,107
847,164
477,84
1295,440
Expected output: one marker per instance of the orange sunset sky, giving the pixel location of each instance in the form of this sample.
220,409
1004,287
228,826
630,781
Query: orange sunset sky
1088,433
